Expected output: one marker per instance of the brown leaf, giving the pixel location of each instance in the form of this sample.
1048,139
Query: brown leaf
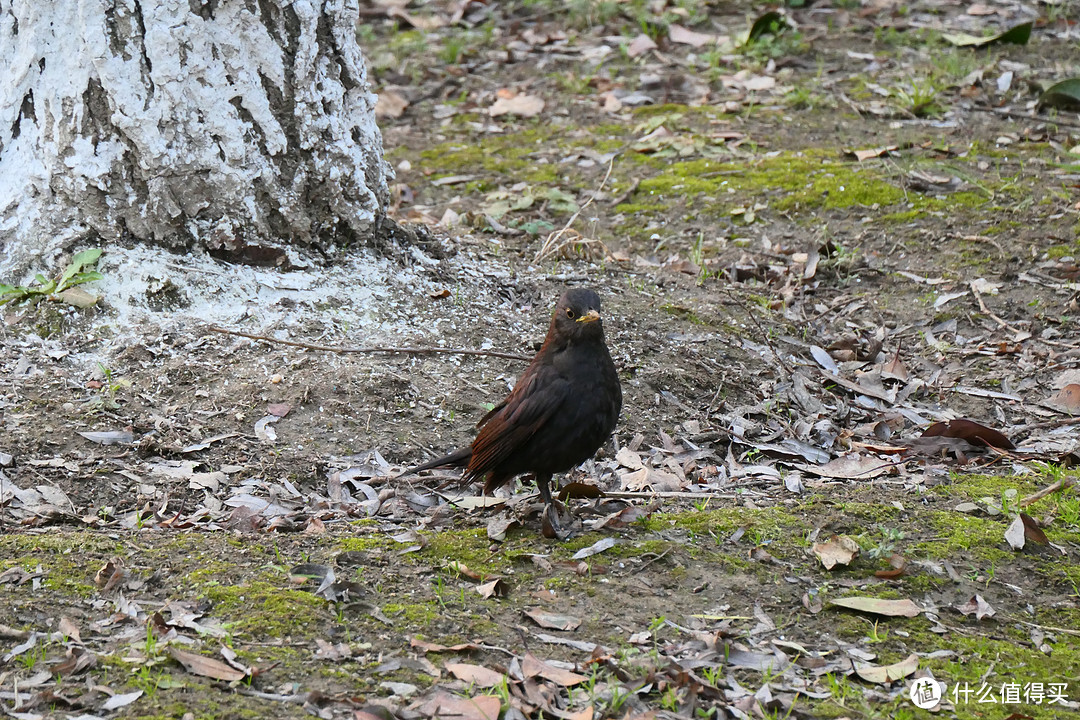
898,563
477,675
879,606
970,431
640,45
520,105
110,574
492,588
978,607
450,707
76,660
1068,398
885,674
553,621
206,666
837,550
531,666
580,490
877,152
1032,531
67,627
425,646
279,409
391,104
895,368
683,36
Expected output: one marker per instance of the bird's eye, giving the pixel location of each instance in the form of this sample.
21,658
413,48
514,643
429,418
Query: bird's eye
569,313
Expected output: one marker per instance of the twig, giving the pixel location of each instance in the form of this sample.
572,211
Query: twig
986,311
1044,627
1049,489
761,330
669,494
554,237
1061,422
1021,116
658,557
343,351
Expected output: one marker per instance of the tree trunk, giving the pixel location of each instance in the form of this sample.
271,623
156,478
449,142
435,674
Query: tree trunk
235,125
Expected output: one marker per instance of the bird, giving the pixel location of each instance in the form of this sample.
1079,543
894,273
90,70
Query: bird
561,410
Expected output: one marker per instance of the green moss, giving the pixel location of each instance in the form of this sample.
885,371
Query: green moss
869,511
979,486
414,614
365,543
768,521
68,559
899,218
470,547
953,531
263,609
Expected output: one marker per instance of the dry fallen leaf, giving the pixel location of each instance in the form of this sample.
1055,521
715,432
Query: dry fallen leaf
390,104
445,705
837,550
520,105
206,666
970,431
870,153
1067,398
553,621
492,588
531,666
684,36
425,646
978,607
118,701
1015,534
853,466
477,675
597,547
1032,531
640,45
879,606
898,564
885,674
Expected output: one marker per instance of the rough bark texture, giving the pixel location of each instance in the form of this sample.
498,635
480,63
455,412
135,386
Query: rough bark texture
226,124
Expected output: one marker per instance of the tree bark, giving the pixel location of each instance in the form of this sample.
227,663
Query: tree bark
235,125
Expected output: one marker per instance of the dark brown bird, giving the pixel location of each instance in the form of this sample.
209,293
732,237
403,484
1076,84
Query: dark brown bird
563,407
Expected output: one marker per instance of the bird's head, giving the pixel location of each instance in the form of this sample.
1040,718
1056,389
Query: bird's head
577,315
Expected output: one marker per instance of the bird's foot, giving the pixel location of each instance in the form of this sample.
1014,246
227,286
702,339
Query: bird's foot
556,522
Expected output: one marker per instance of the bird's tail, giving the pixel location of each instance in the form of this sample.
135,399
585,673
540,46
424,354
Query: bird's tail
458,458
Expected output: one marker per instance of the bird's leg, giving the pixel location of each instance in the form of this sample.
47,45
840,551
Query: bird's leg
542,480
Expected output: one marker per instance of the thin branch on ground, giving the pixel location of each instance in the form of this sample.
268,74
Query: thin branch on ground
555,242
1048,490
376,349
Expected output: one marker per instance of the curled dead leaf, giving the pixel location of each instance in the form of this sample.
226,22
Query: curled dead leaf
978,607
886,674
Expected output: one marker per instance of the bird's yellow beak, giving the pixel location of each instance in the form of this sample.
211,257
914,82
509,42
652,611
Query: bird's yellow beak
588,317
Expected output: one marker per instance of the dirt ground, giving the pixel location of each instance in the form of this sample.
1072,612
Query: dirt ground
202,525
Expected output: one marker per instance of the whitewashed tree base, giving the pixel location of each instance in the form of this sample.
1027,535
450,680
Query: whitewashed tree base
235,125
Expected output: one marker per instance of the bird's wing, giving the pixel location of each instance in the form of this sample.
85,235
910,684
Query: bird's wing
512,423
